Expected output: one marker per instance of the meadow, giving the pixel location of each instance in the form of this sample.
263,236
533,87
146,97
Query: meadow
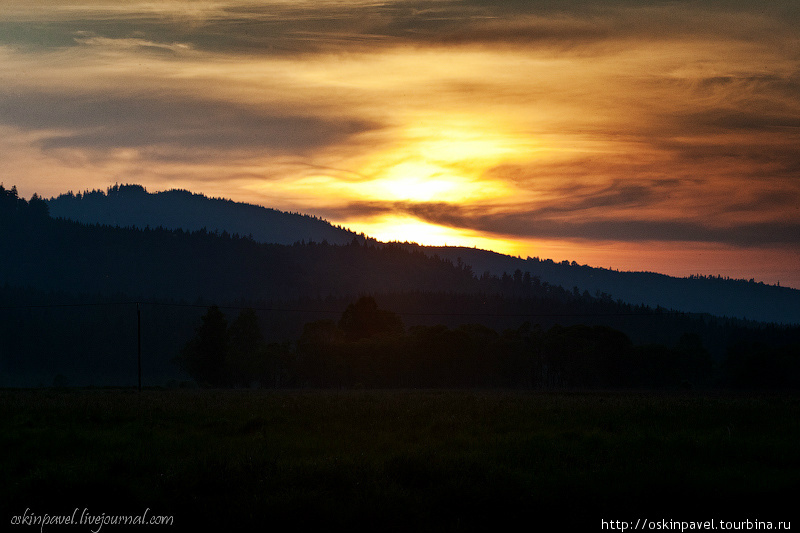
398,460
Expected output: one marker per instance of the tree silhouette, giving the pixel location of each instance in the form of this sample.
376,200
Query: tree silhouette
318,352
205,356
37,207
10,203
363,319
246,348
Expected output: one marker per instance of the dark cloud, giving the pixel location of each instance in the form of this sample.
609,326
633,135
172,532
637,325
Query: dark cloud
287,28
727,120
759,157
786,200
35,35
786,84
104,121
615,195
540,223
243,29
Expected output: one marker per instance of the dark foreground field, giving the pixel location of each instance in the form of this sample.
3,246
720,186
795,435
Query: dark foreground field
404,461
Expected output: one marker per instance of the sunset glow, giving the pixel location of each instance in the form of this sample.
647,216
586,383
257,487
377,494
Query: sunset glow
633,135
409,229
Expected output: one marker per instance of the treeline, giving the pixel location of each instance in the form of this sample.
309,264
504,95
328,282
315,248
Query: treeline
91,339
369,347
17,212
77,274
56,254
708,294
133,206
174,264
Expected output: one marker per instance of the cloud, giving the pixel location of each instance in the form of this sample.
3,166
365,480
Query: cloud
508,222
108,121
276,28
718,120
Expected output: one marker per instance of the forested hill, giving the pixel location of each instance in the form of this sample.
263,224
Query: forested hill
48,253
698,294
67,291
133,206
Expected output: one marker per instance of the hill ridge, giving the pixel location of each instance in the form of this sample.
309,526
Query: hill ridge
131,205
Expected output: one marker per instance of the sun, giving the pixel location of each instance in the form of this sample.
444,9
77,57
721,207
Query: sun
439,162
434,163
416,181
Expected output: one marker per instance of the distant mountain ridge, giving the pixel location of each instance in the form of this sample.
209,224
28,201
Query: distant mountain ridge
133,206
697,294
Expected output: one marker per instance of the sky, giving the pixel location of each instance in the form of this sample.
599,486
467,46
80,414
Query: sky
628,134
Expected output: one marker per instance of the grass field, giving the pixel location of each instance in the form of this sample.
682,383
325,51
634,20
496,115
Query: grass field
397,460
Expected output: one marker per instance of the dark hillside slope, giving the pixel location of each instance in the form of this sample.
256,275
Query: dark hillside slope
133,206
56,254
160,263
698,294
49,254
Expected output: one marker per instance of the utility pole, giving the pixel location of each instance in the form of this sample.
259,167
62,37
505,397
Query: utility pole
139,346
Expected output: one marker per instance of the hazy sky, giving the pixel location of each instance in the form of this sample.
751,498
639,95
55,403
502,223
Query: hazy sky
638,134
